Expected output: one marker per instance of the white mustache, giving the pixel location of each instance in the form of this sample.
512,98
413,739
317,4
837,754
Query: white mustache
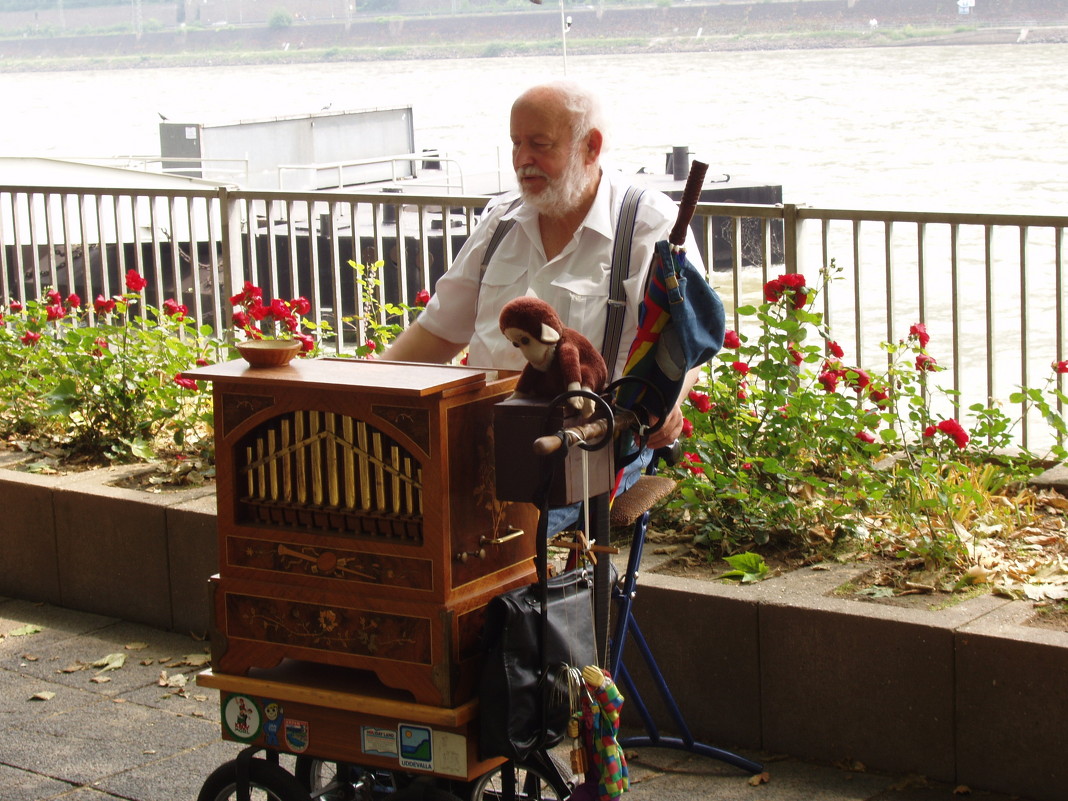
531,171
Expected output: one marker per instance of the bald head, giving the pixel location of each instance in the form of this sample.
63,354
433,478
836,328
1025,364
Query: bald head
556,147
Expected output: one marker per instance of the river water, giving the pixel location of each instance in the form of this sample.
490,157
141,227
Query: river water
973,129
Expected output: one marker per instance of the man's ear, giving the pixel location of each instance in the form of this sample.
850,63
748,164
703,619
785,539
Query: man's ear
549,335
594,143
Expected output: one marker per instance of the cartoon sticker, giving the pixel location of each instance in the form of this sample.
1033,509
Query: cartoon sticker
297,736
242,718
275,719
416,747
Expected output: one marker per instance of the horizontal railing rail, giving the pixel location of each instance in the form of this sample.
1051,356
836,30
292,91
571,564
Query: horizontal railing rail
990,288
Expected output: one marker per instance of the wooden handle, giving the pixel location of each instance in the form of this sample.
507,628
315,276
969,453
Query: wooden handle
551,443
690,195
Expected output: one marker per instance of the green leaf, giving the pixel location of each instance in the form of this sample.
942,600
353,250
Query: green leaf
749,567
23,631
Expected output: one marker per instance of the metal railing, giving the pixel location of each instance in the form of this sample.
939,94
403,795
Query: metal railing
989,288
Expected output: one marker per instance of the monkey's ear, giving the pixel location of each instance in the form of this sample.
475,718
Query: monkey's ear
549,335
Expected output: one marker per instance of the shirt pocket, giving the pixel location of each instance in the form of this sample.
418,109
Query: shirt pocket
583,305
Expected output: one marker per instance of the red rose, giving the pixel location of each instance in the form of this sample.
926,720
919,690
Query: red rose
835,349
30,338
54,297
919,330
865,436
422,297
202,362
792,280
15,306
692,462
307,342
240,319
747,465
687,427
300,305
880,397
740,367
773,291
795,354
1058,367
800,299
185,383
700,401
56,312
930,431
829,379
173,308
857,379
925,363
74,301
134,281
731,339
955,430
103,306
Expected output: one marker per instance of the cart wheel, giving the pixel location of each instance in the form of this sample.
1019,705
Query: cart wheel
512,782
322,778
267,782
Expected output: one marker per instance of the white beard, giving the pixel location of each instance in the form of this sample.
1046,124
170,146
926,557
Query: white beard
562,195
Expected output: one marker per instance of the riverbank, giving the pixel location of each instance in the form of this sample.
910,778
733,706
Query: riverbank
799,40
696,27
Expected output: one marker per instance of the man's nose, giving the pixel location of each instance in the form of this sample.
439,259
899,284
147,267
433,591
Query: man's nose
522,155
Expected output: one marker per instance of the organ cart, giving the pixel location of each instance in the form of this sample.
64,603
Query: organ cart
361,534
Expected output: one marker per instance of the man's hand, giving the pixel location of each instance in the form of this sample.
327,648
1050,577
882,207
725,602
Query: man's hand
669,432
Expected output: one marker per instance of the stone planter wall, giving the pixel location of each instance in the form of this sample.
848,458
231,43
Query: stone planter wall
967,694
80,543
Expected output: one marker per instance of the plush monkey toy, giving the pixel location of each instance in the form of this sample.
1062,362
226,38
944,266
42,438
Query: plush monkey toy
559,359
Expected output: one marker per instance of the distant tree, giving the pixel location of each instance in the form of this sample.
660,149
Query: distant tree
280,19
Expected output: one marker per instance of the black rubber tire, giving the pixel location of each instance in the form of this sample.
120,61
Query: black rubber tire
530,785
268,781
310,773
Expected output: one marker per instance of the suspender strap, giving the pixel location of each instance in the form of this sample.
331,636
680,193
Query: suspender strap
617,298
499,233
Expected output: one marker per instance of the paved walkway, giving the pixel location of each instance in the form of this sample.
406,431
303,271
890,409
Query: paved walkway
78,727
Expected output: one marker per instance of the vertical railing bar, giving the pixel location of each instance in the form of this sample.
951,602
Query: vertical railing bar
1059,302
921,267
888,253
857,295
5,284
314,232
120,247
377,218
334,218
292,250
176,256
213,207
954,277
34,253
988,260
194,258
50,241
233,272
825,260
138,242
1024,382
424,253
90,294
64,218
157,255
272,250
402,259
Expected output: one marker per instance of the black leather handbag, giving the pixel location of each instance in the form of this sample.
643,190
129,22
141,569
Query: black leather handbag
524,703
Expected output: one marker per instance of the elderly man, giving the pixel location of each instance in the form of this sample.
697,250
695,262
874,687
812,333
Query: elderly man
559,248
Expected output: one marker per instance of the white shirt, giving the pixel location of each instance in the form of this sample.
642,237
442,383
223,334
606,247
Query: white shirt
576,283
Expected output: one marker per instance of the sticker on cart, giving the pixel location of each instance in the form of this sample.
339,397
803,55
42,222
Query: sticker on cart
378,741
242,718
274,719
297,735
416,747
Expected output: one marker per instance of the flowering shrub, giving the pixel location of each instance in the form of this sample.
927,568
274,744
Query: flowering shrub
104,384
279,319
786,437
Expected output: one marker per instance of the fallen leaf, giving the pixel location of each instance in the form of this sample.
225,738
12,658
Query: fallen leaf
23,631
147,662
29,657
173,680
44,695
109,662
136,646
100,679
72,668
962,789
192,660
759,778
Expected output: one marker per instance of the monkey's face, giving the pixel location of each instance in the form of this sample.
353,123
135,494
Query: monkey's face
538,354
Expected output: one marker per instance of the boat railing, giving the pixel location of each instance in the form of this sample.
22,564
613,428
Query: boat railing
342,175
989,288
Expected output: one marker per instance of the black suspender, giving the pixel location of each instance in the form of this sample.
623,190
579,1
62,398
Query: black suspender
620,269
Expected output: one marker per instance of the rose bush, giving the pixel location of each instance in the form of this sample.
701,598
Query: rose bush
787,440
102,381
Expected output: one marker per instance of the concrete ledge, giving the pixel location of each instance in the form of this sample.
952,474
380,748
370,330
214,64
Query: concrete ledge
77,541
966,694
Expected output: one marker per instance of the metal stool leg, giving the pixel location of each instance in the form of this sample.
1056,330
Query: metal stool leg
627,627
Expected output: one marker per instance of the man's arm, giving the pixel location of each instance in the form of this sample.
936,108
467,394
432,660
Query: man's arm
672,427
416,344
